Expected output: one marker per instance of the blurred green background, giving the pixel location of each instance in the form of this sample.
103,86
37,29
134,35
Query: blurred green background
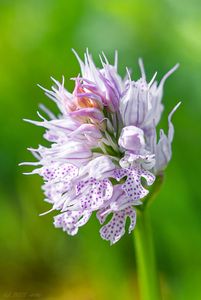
38,261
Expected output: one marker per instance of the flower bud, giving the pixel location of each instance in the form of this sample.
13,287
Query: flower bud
132,138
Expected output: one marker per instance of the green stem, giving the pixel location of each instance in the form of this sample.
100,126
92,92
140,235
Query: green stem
147,274
153,192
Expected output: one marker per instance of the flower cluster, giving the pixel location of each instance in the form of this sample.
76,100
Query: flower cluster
102,144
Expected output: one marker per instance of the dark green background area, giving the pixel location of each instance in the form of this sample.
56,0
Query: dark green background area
36,37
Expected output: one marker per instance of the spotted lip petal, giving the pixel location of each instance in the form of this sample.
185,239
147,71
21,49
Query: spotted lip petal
97,192
102,144
57,180
70,221
115,229
132,186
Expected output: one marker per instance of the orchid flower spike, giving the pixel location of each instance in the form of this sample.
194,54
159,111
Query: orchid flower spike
101,145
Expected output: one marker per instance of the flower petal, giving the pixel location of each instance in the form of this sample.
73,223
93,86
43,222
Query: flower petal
163,148
115,229
93,193
70,221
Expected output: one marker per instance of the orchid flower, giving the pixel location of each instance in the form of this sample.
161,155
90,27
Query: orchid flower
102,144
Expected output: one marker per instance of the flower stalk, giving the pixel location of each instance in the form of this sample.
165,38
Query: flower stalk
146,265
143,241
153,192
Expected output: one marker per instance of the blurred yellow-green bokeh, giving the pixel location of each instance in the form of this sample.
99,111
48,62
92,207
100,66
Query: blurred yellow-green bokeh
38,261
